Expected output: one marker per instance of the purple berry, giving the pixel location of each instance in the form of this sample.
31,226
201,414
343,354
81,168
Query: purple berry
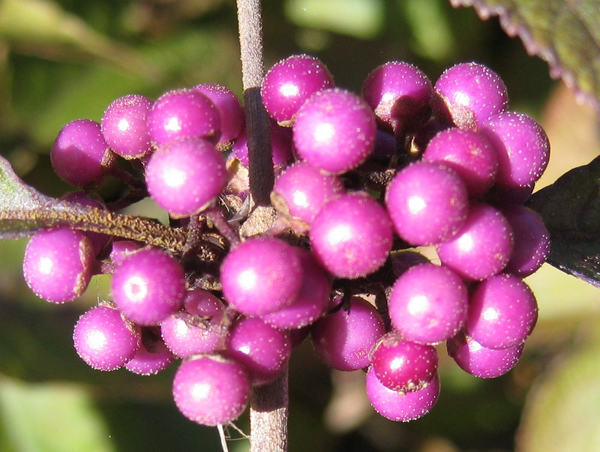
187,334
522,148
483,246
428,304
203,303
352,235
502,312
148,286
532,240
344,339
469,154
58,264
399,406
104,339
261,348
80,155
290,82
467,94
335,131
88,199
121,249
305,190
281,144
403,365
125,126
428,203
183,113
230,109
261,276
211,390
183,176
152,356
312,299
479,361
399,93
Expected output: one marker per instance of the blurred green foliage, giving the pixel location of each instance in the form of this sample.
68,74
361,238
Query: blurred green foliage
62,60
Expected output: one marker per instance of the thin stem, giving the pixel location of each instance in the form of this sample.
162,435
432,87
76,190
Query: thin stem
257,122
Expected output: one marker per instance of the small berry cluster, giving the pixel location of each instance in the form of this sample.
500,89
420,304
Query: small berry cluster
360,180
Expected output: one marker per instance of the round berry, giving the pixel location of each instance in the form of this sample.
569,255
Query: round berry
184,176
261,276
211,390
352,235
290,82
58,264
335,131
152,356
230,109
104,339
148,286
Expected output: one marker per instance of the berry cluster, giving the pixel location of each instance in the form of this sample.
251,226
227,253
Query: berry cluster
360,180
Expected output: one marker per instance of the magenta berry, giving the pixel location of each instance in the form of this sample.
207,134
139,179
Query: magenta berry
344,339
290,82
428,303
399,93
148,286
335,131
183,113
152,357
211,390
230,109
352,235
125,126
80,155
399,406
104,339
58,264
261,276
428,203
403,365
187,334
184,176
502,312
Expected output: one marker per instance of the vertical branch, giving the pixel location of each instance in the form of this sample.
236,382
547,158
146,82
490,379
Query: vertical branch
269,404
257,122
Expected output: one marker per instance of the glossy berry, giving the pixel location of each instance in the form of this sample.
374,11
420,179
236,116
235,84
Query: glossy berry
428,203
399,93
290,82
148,286
403,365
183,113
230,109
261,348
399,406
58,264
344,339
335,131
428,303
281,146
305,189
482,247
532,240
502,312
352,235
312,299
80,155
211,390
187,334
104,339
125,126
479,361
467,94
261,276
184,176
468,153
522,148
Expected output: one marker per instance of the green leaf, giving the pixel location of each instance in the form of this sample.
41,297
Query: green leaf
51,417
571,211
565,33
562,412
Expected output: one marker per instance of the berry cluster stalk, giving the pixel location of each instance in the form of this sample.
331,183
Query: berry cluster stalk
269,404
